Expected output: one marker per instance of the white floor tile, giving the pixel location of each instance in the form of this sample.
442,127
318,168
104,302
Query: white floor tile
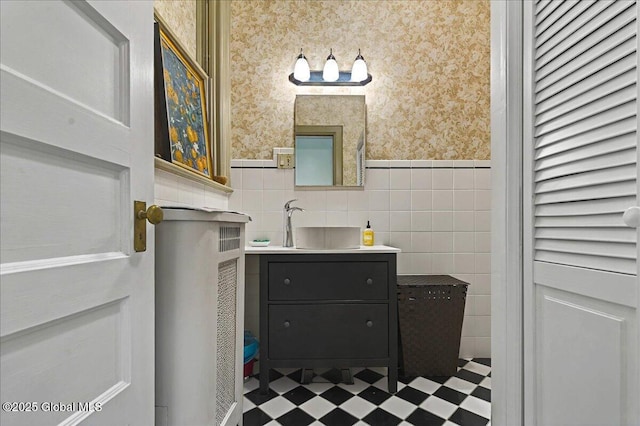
477,405
398,407
317,407
439,407
318,388
358,407
424,385
460,385
383,384
247,405
251,384
477,368
486,383
277,407
286,371
357,386
283,385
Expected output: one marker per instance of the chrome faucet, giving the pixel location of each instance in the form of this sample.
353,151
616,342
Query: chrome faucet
288,230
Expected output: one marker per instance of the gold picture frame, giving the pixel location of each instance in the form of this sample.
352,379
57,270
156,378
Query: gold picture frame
182,129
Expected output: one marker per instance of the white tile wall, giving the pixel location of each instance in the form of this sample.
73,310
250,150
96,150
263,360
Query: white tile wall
174,190
437,212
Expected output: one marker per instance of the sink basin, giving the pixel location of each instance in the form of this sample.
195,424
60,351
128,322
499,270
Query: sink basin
327,237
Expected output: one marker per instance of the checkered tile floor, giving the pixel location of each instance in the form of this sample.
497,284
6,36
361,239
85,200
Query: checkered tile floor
464,399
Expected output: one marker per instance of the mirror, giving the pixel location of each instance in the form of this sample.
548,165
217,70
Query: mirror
329,140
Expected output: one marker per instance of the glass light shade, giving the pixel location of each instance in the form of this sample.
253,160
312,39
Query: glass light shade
330,71
301,70
359,70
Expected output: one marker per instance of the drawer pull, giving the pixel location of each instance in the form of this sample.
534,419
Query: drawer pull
287,324
369,323
287,281
369,281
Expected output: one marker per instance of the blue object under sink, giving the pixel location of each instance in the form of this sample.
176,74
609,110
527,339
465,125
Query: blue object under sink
250,346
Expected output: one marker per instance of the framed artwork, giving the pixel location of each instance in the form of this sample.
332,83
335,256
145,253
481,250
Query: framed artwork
182,136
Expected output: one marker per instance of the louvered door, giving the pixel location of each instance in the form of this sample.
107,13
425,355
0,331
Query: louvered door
581,168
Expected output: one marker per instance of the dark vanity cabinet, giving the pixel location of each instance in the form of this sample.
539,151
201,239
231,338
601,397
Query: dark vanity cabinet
328,310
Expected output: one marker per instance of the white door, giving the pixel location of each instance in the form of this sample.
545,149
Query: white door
580,173
76,331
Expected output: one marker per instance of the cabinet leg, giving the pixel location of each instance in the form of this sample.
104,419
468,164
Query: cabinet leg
347,378
264,379
306,376
392,379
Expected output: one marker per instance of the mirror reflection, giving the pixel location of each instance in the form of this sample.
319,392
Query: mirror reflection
329,140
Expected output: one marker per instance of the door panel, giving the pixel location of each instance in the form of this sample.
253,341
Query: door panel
76,342
39,181
594,357
580,174
77,39
76,302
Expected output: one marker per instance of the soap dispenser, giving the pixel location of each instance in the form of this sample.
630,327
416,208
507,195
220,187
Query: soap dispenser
367,236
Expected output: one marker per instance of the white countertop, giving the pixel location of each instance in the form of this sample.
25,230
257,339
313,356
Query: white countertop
292,250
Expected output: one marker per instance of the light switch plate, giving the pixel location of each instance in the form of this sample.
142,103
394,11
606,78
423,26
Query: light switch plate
285,161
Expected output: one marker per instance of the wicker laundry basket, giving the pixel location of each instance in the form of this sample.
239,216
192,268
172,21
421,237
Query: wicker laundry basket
430,310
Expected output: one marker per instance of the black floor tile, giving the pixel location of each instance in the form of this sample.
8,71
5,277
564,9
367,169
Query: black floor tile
374,395
406,379
467,418
412,395
470,376
333,376
369,376
483,361
448,394
295,375
338,417
273,375
257,398
255,417
295,417
421,417
482,393
380,417
299,395
336,394
438,379
462,362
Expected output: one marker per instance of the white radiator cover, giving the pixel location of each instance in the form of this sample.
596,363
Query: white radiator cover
199,318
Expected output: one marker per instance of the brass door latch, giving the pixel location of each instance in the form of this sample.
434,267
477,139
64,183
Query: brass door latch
153,214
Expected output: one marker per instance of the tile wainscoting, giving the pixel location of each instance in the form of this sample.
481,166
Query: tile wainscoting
437,212
174,190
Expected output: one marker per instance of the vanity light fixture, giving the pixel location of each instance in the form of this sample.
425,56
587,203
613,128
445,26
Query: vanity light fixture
330,71
330,75
359,69
301,70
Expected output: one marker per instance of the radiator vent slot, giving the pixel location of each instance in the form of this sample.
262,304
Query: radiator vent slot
226,335
229,238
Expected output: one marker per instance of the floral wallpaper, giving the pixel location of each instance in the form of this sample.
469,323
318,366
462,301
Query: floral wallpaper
180,16
429,98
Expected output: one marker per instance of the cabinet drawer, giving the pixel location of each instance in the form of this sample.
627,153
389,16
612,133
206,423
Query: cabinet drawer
328,281
334,331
